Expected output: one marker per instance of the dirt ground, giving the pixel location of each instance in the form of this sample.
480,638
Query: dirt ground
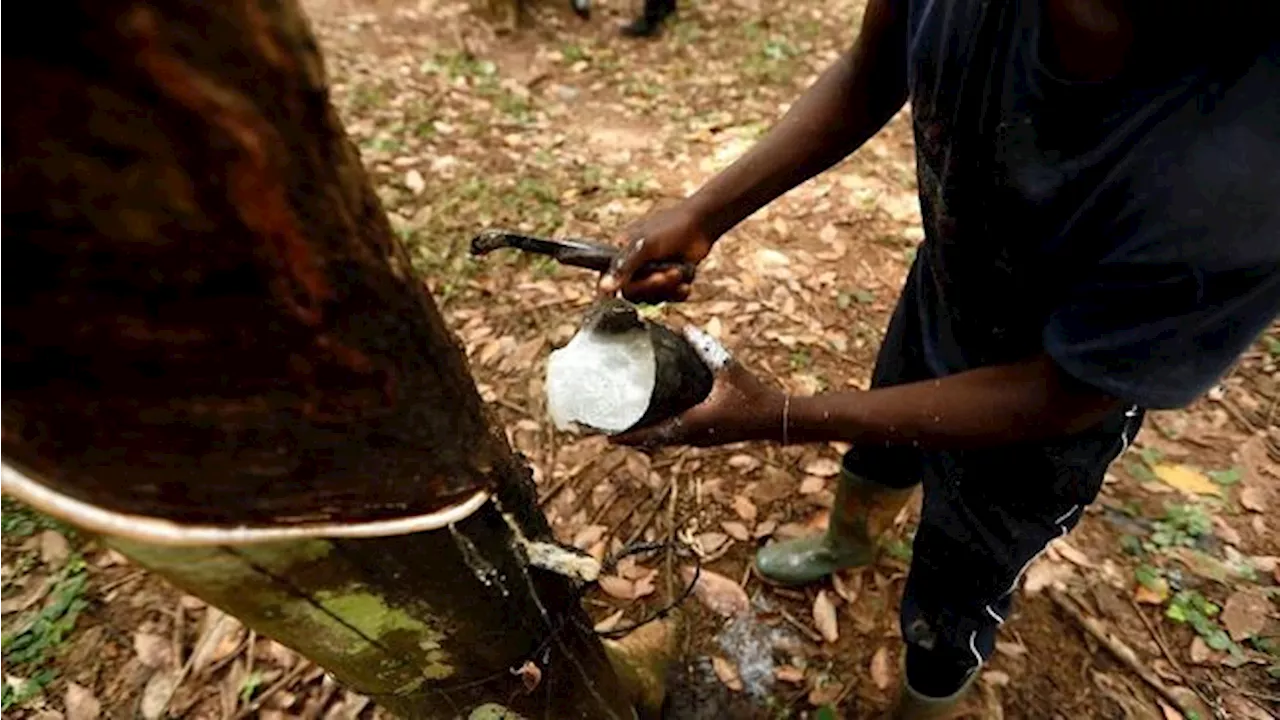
563,127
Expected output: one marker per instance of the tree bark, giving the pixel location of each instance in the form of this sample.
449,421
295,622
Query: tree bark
209,324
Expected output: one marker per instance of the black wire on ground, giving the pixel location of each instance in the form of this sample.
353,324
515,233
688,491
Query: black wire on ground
640,548
540,654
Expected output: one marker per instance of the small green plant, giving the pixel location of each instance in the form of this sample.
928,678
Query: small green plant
858,295
1182,526
1230,476
1139,471
19,521
544,267
1131,545
800,359
1150,456
249,687
630,187
1269,644
574,53
1272,344
778,49
899,549
1192,608
1150,577
29,646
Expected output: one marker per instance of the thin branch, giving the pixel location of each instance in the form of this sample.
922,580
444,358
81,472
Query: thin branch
652,514
288,678
1123,653
1156,635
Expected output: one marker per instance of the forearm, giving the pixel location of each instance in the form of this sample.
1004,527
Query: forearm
980,408
852,100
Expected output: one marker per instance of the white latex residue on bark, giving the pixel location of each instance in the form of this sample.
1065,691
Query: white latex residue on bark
161,531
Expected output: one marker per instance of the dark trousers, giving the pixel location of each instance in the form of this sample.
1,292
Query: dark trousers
986,515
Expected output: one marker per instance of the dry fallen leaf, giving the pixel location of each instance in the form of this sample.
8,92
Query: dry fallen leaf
720,594
644,586
1044,573
1245,613
530,675
765,529
1266,564
415,182
825,692
710,542
824,617
744,508
279,654
53,548
1224,530
1168,711
789,674
736,530
588,536
744,463
1254,499
617,587
848,591
788,531
727,672
1132,705
1072,555
812,484
609,623
1148,595
348,708
1187,479
219,637
156,694
153,650
823,468
80,702
995,678
36,588
1011,649
1200,652
1256,461
881,674
1239,707
628,568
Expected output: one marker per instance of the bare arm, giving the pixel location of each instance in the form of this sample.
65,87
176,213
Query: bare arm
988,407
999,405
852,100
848,104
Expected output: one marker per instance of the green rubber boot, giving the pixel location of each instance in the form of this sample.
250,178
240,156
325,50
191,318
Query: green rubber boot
912,705
862,512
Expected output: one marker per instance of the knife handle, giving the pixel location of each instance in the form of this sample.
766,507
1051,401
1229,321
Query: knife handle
575,253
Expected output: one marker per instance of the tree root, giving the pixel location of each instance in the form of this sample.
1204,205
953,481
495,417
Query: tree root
642,658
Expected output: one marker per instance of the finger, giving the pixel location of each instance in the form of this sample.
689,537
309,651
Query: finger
625,265
713,354
661,284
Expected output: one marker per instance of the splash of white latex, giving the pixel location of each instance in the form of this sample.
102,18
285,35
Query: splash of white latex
601,381
713,354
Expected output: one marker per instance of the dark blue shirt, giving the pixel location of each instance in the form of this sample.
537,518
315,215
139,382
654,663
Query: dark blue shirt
1128,228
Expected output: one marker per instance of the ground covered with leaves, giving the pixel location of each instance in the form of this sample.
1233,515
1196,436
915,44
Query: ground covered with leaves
1164,597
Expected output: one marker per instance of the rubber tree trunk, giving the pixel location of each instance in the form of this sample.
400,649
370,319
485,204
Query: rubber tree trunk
212,339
